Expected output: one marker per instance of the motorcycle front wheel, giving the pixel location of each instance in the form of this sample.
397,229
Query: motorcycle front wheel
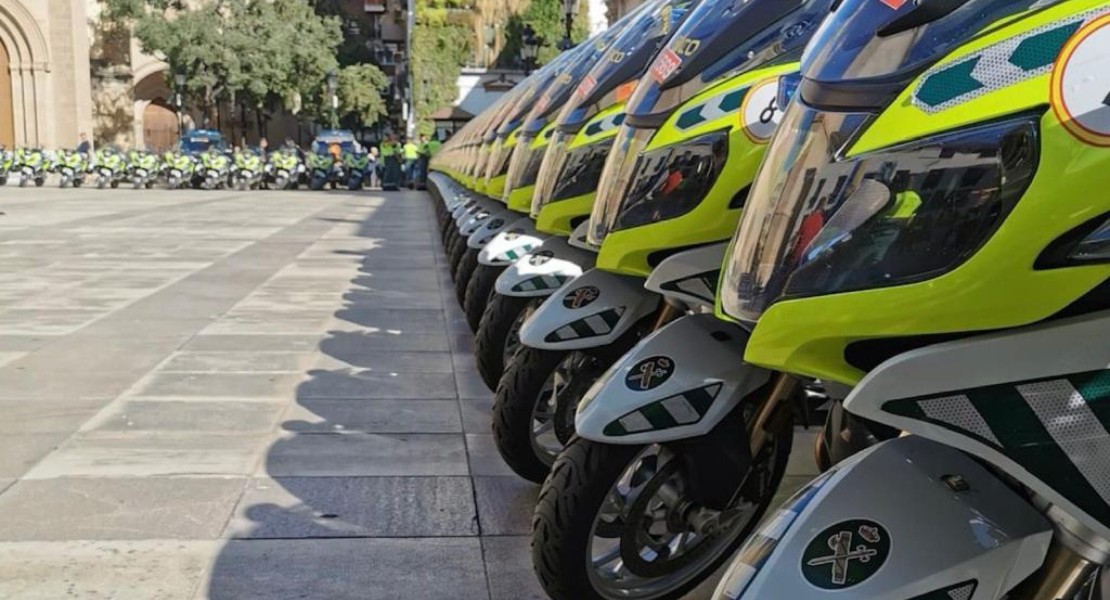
613,522
498,336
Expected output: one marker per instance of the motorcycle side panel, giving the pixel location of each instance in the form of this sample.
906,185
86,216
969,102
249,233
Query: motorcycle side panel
888,524
477,221
511,243
464,209
690,276
495,225
1029,400
544,270
677,383
592,311
578,237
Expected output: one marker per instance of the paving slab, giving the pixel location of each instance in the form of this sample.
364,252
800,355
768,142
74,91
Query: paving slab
152,454
104,570
238,362
118,508
253,343
350,383
509,561
354,569
187,416
215,386
320,454
331,415
481,451
505,504
321,507
388,362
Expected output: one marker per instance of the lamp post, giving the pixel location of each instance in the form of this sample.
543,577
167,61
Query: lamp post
333,88
179,99
529,48
570,9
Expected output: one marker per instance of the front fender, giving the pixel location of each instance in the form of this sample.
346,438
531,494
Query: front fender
496,224
544,270
677,383
510,243
578,237
477,220
689,276
894,522
592,311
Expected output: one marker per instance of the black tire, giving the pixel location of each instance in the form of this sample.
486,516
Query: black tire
498,320
570,500
513,406
477,294
449,240
457,251
463,271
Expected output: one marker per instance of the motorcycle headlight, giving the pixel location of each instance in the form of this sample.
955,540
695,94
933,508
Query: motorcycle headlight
581,171
816,223
663,184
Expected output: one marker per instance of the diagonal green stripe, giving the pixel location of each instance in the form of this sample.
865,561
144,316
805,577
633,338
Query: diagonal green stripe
611,317
689,118
732,100
582,329
702,398
659,417
949,84
1094,386
1041,50
593,128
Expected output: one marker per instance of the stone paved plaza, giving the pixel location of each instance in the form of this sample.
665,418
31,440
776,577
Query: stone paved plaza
246,395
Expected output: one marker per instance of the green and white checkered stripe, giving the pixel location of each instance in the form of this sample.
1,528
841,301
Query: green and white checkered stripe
607,123
998,66
515,253
594,325
1057,429
714,108
686,408
541,282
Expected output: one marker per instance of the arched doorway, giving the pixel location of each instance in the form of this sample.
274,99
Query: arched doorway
7,109
159,126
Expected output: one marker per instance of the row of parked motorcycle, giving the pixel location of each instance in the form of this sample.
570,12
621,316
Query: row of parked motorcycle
212,169
718,220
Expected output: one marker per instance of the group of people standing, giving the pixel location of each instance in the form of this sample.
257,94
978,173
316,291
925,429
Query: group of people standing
405,161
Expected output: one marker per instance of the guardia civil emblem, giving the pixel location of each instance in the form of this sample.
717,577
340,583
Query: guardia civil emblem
649,373
581,297
539,258
846,554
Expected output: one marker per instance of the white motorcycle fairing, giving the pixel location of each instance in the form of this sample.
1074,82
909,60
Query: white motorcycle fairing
591,311
1031,401
544,270
490,229
677,383
477,220
690,276
464,209
908,519
511,243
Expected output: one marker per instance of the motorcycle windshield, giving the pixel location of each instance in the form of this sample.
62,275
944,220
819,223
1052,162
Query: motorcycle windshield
541,81
615,75
874,42
719,39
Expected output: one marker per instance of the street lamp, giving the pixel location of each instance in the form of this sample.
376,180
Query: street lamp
529,48
333,88
570,9
179,98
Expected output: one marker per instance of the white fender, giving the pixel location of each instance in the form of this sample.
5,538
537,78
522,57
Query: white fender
544,270
463,208
906,519
578,237
496,224
690,276
677,383
510,243
592,311
477,220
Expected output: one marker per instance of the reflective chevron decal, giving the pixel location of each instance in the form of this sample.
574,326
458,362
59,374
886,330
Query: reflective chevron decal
713,108
1057,429
594,325
541,282
960,591
995,67
702,286
686,408
602,125
515,253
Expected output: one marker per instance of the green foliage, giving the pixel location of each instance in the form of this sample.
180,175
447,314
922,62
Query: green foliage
257,52
441,43
549,22
360,92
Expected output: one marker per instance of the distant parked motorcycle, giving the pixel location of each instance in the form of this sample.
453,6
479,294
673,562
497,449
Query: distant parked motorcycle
284,171
178,169
358,166
248,170
213,172
109,167
142,168
7,158
32,167
71,167
325,170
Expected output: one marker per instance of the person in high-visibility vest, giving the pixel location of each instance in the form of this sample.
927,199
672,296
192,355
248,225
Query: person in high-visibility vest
411,153
391,164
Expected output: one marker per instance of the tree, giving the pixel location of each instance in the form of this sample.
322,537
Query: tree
246,53
360,92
